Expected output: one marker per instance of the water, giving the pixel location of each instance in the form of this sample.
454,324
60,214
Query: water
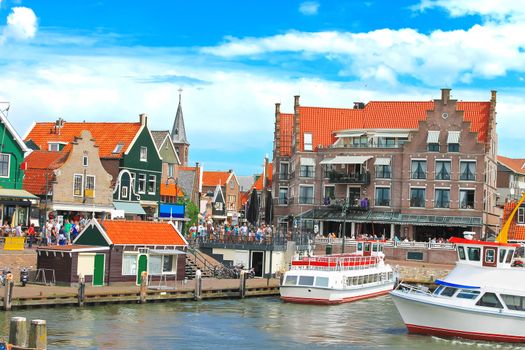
254,323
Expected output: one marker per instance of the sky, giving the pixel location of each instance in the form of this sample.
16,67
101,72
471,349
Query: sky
113,60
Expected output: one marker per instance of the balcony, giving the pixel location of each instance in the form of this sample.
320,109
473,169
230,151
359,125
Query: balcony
336,177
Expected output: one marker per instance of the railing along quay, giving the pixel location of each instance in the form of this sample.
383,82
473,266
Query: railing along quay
390,244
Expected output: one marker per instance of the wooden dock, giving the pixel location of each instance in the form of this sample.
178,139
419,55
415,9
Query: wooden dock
53,296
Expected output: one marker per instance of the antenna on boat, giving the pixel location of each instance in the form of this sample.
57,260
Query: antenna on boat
504,233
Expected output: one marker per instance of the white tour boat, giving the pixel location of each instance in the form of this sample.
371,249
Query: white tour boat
482,298
340,278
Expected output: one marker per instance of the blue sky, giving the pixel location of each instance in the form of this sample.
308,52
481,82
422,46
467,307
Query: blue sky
112,60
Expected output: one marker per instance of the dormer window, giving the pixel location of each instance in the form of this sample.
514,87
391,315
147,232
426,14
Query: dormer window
55,146
143,154
118,148
308,145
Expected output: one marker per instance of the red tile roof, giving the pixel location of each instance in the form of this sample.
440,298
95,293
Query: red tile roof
322,122
245,196
517,165
258,185
214,178
142,233
171,190
106,135
286,134
39,175
516,232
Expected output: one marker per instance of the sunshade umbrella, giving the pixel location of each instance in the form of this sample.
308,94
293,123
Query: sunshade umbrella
268,210
253,208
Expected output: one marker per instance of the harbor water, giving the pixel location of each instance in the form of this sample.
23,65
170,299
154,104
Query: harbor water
254,323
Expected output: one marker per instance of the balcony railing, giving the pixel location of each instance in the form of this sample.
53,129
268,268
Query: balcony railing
306,200
352,178
283,201
284,176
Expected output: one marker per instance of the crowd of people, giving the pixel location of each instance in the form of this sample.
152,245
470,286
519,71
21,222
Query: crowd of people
230,233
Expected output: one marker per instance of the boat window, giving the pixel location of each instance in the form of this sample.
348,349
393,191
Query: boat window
290,280
473,254
510,254
490,255
448,291
361,280
468,294
306,280
390,276
489,300
461,253
321,281
514,302
502,255
367,247
374,247
360,247
438,290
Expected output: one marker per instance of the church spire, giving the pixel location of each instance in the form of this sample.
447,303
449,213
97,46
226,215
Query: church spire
178,132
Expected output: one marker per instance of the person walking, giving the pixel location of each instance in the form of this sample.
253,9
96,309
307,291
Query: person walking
31,235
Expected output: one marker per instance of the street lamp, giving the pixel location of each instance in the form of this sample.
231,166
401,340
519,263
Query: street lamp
344,210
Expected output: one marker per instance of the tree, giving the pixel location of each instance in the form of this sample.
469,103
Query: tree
191,212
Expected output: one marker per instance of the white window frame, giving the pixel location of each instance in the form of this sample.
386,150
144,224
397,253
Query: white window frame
281,167
145,178
118,148
150,177
8,165
143,154
171,169
85,160
53,147
449,197
459,197
308,146
389,197
124,192
475,168
324,190
410,196
313,194
521,216
279,195
81,185
125,273
94,183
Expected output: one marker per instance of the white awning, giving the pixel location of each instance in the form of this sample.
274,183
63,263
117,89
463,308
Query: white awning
308,161
81,208
433,136
382,161
166,252
347,160
453,136
403,134
350,134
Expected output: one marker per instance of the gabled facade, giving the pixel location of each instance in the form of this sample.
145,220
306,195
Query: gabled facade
419,170
229,187
511,178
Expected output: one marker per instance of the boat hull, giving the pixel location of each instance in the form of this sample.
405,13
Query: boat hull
327,296
426,317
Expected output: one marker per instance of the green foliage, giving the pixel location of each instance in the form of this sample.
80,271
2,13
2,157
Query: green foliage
192,213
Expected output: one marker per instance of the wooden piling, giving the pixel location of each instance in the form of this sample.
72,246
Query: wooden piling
81,292
143,287
8,296
198,285
18,331
38,335
242,286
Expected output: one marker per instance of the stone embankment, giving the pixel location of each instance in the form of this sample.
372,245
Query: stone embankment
412,272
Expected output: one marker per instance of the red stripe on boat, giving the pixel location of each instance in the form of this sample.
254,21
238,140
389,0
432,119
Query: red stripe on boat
332,302
448,333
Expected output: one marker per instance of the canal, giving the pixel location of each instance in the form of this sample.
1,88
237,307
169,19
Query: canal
255,323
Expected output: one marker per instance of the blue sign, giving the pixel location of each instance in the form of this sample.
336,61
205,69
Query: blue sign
174,211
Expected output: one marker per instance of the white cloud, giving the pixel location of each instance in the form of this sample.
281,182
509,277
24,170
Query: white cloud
498,10
309,8
21,24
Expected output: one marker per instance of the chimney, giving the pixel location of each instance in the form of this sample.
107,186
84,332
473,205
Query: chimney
230,171
359,105
445,95
143,119
491,122
296,124
196,164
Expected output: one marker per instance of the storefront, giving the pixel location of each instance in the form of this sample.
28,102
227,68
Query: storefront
15,206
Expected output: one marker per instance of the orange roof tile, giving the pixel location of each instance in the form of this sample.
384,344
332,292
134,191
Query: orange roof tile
515,164
171,190
245,197
39,175
286,134
142,232
322,122
516,232
214,178
106,135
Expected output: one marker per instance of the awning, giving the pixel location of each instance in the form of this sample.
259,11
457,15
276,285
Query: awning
20,194
308,161
404,134
382,161
149,203
81,208
453,136
166,252
175,211
129,208
350,134
346,160
433,136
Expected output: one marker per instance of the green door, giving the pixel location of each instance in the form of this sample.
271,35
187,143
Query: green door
98,274
142,266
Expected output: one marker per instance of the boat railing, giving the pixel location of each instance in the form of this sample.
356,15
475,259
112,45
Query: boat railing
336,263
410,288
390,244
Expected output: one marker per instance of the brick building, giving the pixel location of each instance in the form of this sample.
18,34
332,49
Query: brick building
229,189
511,179
414,169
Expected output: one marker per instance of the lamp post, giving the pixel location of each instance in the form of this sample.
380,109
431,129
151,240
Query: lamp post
344,211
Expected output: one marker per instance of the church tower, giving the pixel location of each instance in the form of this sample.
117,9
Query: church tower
178,134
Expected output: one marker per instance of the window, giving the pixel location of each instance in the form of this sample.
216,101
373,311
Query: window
461,253
232,202
90,186
417,197
232,184
133,180
142,183
118,148
329,192
328,170
155,264
466,199
307,171
442,198
4,164
382,196
514,302
85,159
433,147
306,280
290,280
510,255
443,170
438,290
151,184
284,170
53,147
171,168
143,154
129,264
78,182
467,294
453,147
448,291
473,254
124,192
467,171
489,300
419,169
490,255
321,282
167,263
283,195
306,195
383,172
502,255
521,215
308,142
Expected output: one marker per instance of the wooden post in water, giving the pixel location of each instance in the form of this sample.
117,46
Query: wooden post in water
81,291
18,331
198,285
242,286
143,287
38,335
8,296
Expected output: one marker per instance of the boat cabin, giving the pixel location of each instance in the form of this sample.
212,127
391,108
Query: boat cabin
486,254
369,248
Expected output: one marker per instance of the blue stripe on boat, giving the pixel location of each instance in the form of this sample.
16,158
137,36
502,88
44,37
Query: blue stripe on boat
448,284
